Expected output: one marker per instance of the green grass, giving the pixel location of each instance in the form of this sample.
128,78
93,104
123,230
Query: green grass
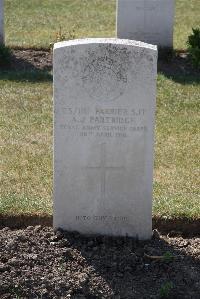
35,23
186,17
26,151
26,110
176,174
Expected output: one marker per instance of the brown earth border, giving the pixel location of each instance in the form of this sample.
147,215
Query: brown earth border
176,226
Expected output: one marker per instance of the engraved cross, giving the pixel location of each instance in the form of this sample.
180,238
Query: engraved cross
103,168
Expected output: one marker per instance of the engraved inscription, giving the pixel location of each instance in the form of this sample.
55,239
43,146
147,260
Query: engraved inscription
98,74
104,122
103,168
102,218
104,75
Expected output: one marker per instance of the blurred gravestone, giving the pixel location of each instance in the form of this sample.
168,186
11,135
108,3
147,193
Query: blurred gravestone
1,22
150,21
104,103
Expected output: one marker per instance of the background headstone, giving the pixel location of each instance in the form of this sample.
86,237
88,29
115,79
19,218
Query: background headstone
1,22
104,101
150,21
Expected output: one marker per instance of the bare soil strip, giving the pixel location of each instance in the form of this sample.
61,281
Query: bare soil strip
37,263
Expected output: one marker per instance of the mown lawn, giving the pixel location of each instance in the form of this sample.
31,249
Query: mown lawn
26,111
177,160
35,23
26,148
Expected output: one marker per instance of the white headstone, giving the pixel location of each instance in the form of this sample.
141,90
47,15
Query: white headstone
104,101
1,23
150,21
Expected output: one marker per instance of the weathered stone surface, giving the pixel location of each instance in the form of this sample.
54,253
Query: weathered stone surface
150,21
104,101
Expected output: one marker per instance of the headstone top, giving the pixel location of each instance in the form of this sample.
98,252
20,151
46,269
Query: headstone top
150,21
117,41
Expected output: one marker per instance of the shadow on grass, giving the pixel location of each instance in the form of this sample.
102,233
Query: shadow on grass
22,221
26,76
178,68
28,65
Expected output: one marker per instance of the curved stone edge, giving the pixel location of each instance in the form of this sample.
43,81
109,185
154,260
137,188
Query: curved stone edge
114,41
